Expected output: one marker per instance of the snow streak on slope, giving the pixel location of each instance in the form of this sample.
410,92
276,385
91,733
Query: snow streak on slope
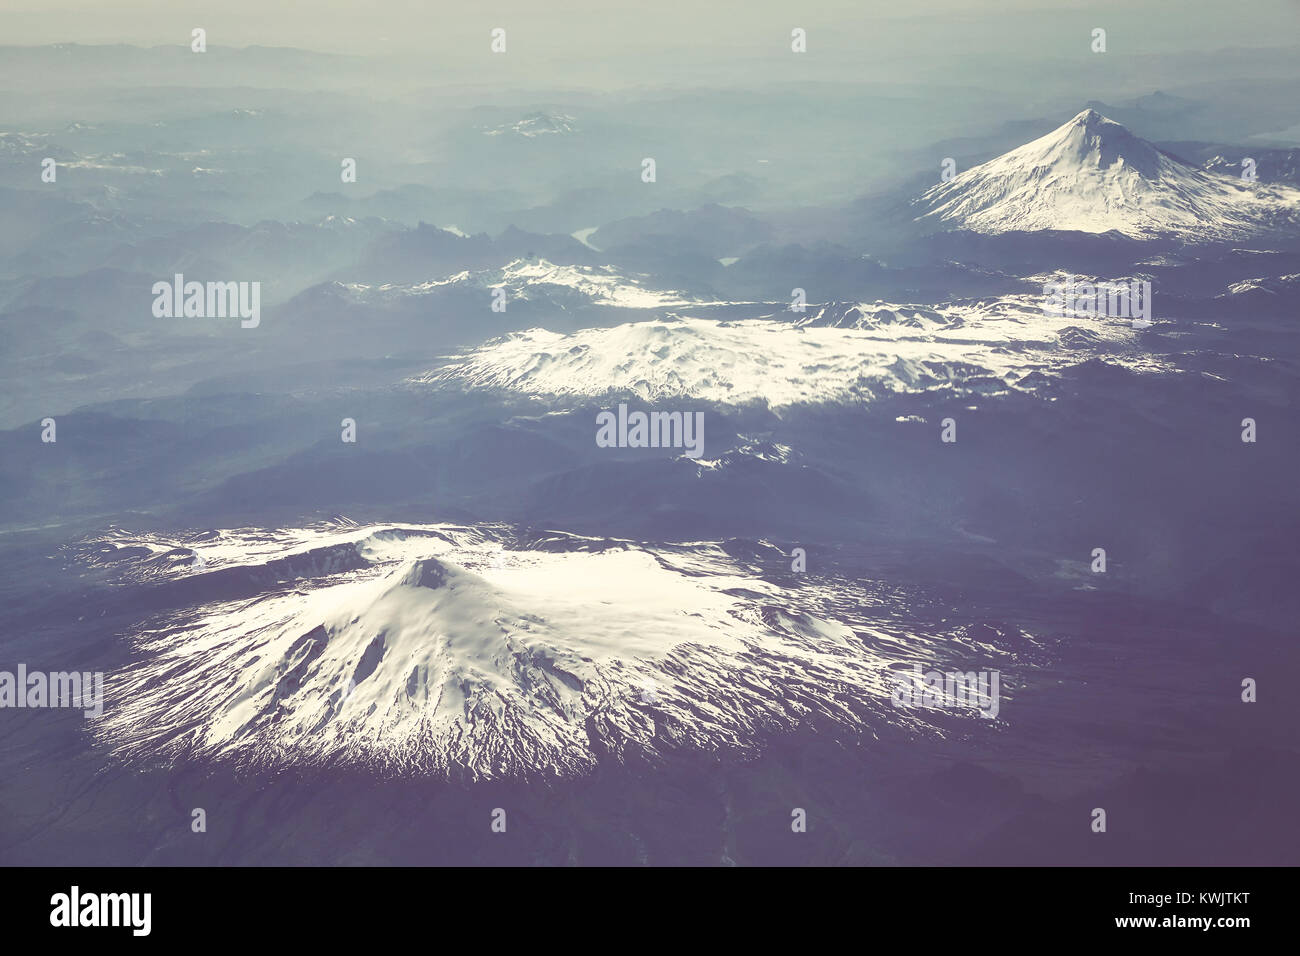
835,353
442,653
1094,175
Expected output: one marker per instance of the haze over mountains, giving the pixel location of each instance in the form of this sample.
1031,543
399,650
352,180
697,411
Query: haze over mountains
373,543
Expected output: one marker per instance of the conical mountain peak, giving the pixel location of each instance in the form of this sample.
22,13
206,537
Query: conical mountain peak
1092,174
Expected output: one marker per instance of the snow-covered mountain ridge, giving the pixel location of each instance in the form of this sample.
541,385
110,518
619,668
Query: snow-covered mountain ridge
837,352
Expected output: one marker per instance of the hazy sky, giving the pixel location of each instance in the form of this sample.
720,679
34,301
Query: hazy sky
599,28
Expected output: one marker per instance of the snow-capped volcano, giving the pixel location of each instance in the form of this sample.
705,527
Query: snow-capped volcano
1094,175
433,650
